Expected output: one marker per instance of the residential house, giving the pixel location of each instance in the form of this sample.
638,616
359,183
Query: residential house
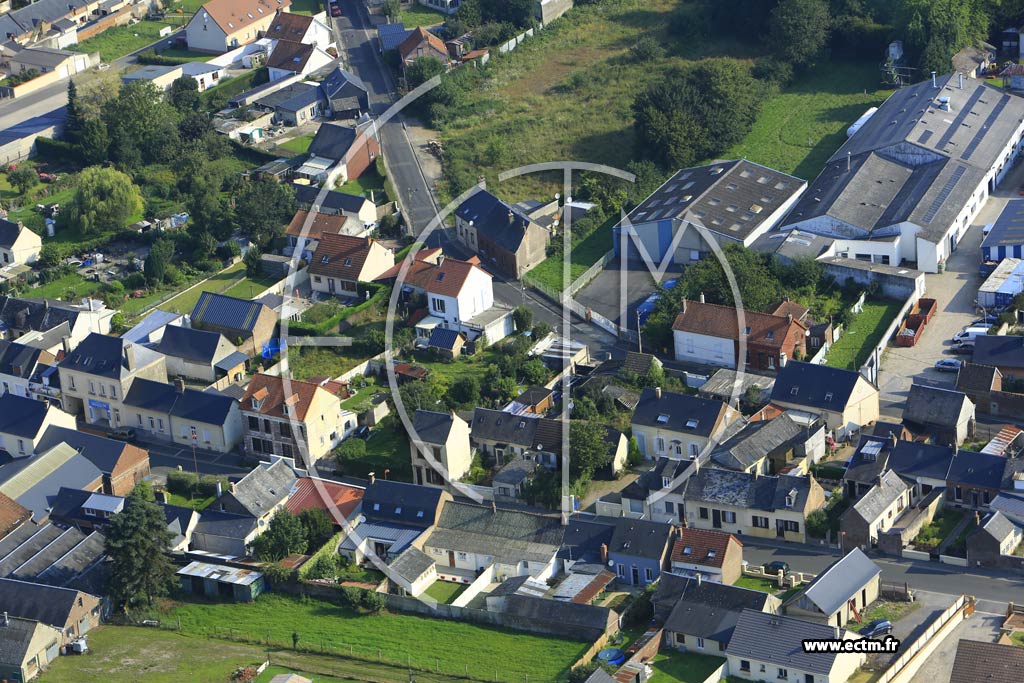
304,233
770,647
31,321
249,325
679,425
336,203
503,237
339,501
393,516
29,371
770,446
641,364
709,334
95,377
23,421
974,479
347,95
439,446
207,419
341,262
944,414
292,418
447,343
838,594
294,104
1011,503
729,386
44,60
160,76
121,465
73,613
656,494
352,149
995,536
715,556
390,36
223,25
705,615
19,246
201,355
509,483
458,295
12,516
844,399
261,493
983,385
764,506
413,570
469,539
293,57
927,199
26,648
923,466
981,662
876,511
1003,352
300,28
421,43
732,202
535,399
640,550
46,20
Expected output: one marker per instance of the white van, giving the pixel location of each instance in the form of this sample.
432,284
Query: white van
970,334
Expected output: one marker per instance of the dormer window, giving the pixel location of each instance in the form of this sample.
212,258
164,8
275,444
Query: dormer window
256,404
687,550
828,397
666,482
419,514
794,391
376,507
770,334
348,261
746,330
711,554
325,259
398,510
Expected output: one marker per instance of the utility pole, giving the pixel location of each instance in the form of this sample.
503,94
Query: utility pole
639,337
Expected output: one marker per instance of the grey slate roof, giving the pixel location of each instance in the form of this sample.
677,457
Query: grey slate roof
934,405
842,580
102,452
979,662
345,91
398,535
432,426
16,638
208,407
583,538
711,610
677,412
392,35
332,141
744,490
1010,504
35,314
818,387
502,427
146,394
883,494
651,480
640,538
401,503
306,195
999,350
264,488
599,676
104,356
756,441
225,524
984,470
721,384
49,604
912,460
516,471
997,526
189,343
779,640
411,564
507,535
292,98
21,416
499,221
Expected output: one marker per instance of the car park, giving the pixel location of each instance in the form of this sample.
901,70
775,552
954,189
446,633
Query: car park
962,349
948,365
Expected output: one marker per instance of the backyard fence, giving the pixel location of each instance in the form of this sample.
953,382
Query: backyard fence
590,273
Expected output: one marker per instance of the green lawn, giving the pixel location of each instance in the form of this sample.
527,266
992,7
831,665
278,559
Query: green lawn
684,667
862,335
59,288
445,591
399,638
121,40
183,53
248,287
369,181
230,87
757,584
418,15
194,503
307,7
935,532
186,301
299,145
361,396
585,253
386,449
884,609
1018,638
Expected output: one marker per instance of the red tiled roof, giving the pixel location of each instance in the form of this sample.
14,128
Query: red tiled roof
410,370
594,588
12,515
289,26
417,38
290,55
323,224
318,494
272,391
769,412
791,308
234,15
446,279
723,322
344,254
702,543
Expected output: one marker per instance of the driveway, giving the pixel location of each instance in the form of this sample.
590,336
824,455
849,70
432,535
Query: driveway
603,293
980,626
955,291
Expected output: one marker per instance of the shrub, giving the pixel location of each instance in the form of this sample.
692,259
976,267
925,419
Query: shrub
277,573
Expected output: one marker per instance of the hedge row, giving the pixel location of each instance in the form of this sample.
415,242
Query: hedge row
330,325
185,484
327,550
151,57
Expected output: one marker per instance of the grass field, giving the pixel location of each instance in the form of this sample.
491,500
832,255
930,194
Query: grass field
369,180
862,335
883,609
567,94
932,535
183,53
585,253
121,40
299,145
418,15
757,584
307,7
399,638
685,667
445,591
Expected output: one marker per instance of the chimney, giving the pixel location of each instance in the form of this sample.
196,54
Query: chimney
179,385
657,392
789,318
977,518
702,297
699,579
129,356
849,159
894,439
232,488
934,84
604,553
66,345
960,80
494,506
511,217
6,622
373,478
220,489
836,628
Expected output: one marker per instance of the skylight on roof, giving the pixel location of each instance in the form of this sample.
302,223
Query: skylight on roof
794,391
348,262
687,550
711,553
663,418
692,424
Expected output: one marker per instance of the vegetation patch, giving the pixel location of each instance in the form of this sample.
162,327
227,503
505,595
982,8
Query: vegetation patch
862,334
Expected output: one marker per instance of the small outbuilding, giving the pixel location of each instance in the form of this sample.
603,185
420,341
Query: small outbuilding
217,581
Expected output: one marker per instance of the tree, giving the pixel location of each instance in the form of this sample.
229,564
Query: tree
284,536
74,118
143,123
349,450
23,177
104,200
798,30
534,371
465,390
647,49
392,9
588,450
262,209
252,262
137,542
422,70
93,142
523,318
319,527
184,95
519,13
156,263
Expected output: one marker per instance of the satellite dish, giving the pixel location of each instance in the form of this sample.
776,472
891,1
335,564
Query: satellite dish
611,563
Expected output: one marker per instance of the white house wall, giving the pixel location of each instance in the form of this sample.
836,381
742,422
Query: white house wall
703,348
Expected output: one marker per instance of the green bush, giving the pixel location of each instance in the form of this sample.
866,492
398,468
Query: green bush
184,484
329,325
151,57
276,573
49,149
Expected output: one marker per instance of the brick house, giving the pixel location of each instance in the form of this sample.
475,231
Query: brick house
713,555
504,238
247,324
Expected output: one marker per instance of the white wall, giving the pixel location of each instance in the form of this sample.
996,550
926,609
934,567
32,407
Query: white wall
703,348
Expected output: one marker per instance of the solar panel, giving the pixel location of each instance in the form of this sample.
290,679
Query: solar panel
980,134
943,195
925,136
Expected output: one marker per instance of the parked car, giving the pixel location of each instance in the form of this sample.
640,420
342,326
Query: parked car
948,365
987,320
647,307
775,567
878,627
102,66
335,11
362,432
962,349
122,434
971,333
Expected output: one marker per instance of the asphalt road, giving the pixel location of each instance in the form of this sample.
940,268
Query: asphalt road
357,39
164,457
993,587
